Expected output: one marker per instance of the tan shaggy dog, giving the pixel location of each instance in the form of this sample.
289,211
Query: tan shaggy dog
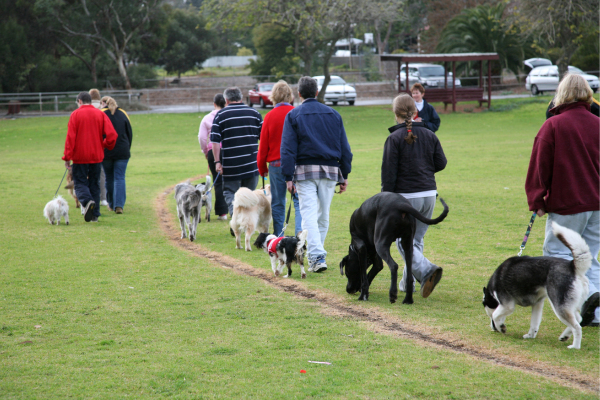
251,212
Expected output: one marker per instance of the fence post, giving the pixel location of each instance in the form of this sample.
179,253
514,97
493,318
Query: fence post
148,97
40,103
56,104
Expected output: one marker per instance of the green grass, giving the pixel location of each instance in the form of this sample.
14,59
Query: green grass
124,313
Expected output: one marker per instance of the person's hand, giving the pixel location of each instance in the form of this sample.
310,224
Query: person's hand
266,174
541,212
68,164
418,119
344,186
219,168
290,187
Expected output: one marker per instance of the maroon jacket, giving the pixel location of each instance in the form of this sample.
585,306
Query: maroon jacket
563,175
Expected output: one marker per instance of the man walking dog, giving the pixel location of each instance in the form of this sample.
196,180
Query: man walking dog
315,153
85,147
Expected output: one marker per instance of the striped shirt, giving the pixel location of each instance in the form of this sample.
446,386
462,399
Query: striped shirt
237,128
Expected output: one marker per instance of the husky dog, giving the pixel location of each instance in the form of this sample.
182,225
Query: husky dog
55,209
251,212
206,197
527,281
189,201
284,251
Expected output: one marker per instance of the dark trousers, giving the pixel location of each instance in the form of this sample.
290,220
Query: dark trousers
220,203
87,184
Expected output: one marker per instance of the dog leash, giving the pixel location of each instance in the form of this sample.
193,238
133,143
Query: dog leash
287,220
263,184
213,185
61,181
527,234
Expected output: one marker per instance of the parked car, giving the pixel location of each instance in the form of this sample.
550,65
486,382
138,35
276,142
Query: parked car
337,90
545,79
428,75
537,62
260,94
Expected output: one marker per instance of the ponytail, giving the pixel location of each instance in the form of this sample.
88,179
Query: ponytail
404,108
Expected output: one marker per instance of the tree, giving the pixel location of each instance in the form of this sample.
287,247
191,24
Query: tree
187,43
275,50
113,25
482,30
316,24
563,24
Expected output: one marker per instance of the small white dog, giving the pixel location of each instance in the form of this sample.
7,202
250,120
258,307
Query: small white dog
251,212
55,209
206,197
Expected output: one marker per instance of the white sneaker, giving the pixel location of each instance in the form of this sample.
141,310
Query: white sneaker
222,217
104,203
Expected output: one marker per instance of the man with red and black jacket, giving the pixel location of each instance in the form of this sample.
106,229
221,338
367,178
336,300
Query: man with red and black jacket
85,146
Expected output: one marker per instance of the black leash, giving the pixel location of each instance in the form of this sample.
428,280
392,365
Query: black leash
527,234
263,184
287,219
61,181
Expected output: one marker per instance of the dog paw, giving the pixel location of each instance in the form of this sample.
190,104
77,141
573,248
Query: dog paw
503,328
285,276
191,238
573,347
528,336
303,276
67,223
405,301
363,297
276,273
564,338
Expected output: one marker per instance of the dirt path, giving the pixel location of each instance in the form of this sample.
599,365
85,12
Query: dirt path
377,320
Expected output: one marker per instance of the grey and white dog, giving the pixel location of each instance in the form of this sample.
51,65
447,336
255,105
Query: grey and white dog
189,200
527,281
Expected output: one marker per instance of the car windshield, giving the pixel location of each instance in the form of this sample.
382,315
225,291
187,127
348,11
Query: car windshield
575,70
336,81
265,88
437,70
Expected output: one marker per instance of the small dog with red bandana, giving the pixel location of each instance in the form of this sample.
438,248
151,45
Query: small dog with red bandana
284,251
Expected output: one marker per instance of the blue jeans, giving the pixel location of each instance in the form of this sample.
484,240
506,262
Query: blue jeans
115,182
278,202
87,184
587,224
315,197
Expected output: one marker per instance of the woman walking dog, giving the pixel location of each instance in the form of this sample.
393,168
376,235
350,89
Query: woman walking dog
411,156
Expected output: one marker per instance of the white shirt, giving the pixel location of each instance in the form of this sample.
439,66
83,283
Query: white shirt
419,105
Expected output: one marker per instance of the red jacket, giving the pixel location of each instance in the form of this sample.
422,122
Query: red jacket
564,169
85,143
270,137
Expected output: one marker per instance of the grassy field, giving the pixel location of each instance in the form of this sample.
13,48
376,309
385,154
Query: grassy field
112,309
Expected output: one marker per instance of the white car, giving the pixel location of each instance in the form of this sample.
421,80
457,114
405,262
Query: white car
337,90
428,75
545,79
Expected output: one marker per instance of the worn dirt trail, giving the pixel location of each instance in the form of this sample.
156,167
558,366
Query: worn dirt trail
376,320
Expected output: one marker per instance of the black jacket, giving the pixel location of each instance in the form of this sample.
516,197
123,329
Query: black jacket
122,125
431,119
410,168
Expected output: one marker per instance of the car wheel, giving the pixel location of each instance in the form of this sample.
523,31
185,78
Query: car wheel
262,103
334,103
534,90
351,102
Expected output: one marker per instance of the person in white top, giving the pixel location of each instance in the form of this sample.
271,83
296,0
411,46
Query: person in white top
425,111
206,146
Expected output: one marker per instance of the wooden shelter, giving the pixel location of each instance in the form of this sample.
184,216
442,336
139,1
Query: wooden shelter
453,94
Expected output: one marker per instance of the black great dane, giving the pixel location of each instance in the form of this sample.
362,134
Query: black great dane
374,226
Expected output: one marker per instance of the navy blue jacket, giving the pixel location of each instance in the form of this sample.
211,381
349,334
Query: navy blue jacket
313,134
431,120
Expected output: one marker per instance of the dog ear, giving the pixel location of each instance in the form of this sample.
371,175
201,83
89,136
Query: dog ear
343,264
484,290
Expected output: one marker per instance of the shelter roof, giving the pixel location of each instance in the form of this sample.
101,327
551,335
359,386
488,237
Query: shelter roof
414,57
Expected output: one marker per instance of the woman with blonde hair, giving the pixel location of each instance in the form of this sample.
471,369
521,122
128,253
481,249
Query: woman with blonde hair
412,154
115,160
268,152
563,177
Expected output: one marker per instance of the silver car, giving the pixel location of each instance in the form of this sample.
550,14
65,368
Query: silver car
428,75
337,90
545,79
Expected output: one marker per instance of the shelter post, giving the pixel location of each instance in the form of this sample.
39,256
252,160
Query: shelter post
453,86
489,83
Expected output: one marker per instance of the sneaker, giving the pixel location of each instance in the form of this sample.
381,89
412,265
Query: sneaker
104,203
222,217
430,281
119,210
317,265
320,267
588,309
88,211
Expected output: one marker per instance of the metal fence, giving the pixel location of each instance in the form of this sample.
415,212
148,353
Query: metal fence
201,90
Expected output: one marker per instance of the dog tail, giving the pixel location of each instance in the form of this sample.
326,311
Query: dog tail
582,258
245,198
429,221
208,182
301,240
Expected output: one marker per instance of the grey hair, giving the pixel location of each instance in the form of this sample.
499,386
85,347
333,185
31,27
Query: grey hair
233,94
307,87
